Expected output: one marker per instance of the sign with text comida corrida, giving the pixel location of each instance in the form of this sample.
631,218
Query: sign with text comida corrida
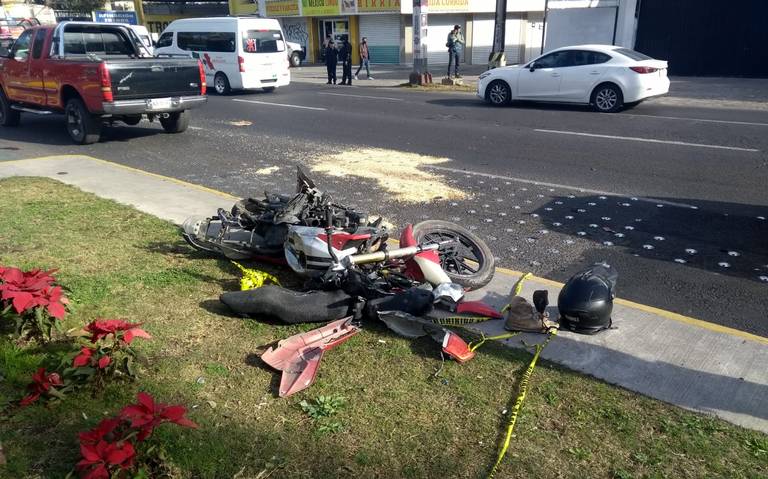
320,7
448,6
282,8
378,5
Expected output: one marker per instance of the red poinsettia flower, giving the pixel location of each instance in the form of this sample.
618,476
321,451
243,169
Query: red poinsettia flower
42,383
100,457
101,328
103,429
30,289
86,356
147,414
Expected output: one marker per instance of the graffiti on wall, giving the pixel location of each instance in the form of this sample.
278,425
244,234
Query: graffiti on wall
296,32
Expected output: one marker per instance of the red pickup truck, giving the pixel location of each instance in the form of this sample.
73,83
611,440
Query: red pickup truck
95,73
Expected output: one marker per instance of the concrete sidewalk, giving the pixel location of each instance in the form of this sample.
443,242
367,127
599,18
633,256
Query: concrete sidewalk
734,93
683,361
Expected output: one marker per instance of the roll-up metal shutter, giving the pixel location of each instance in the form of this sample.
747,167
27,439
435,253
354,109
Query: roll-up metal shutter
439,26
482,37
514,44
383,34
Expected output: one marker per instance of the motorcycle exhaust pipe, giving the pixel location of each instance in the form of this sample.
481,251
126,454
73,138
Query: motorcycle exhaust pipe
380,256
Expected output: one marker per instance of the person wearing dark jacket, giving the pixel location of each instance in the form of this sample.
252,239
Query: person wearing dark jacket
330,62
345,54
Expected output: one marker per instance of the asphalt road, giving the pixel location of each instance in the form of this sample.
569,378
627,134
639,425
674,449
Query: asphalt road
674,197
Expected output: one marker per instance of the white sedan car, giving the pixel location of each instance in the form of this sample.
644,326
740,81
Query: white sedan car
604,76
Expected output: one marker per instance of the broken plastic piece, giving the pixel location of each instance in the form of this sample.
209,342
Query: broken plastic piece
298,356
479,308
454,346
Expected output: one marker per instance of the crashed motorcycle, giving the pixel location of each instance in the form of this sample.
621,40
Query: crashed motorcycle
312,234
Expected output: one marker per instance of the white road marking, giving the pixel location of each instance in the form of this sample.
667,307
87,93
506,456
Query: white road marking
362,96
195,127
647,140
727,122
280,104
557,185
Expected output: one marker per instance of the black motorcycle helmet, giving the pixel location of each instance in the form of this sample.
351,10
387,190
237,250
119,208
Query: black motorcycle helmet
586,301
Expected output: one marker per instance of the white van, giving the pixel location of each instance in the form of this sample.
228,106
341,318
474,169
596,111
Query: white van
238,53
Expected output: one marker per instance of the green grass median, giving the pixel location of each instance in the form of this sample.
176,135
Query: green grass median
382,406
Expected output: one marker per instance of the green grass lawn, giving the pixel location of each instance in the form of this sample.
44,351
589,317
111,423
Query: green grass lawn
397,419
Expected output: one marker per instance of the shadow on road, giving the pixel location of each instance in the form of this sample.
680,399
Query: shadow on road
52,131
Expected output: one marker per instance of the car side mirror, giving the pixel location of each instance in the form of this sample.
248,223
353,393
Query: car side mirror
534,66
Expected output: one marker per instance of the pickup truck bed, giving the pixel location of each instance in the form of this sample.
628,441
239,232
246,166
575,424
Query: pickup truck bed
95,73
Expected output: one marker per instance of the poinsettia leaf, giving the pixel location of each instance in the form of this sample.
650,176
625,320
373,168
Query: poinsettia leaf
57,310
186,423
172,413
89,453
146,400
100,472
20,301
104,362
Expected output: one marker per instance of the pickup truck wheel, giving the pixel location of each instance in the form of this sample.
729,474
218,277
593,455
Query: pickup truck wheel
221,84
83,127
295,59
131,120
8,116
176,122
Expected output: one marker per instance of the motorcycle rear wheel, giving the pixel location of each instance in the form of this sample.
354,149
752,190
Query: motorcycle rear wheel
469,263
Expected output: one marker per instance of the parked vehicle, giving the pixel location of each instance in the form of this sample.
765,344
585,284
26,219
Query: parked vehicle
296,53
92,72
143,34
238,53
608,77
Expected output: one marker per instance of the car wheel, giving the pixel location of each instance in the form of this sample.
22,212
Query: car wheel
8,116
176,122
268,89
295,59
498,93
607,98
83,127
221,84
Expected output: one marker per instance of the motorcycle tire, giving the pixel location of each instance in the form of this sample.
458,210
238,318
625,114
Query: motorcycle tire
470,264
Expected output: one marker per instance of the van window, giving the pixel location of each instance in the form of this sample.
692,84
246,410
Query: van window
263,41
165,40
206,41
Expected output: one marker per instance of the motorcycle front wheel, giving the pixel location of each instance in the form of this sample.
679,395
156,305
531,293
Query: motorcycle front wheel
468,261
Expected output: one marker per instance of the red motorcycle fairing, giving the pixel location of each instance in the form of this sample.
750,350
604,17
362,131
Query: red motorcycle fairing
424,265
298,356
341,239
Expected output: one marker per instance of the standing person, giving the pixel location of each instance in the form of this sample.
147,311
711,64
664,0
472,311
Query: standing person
455,44
345,54
330,62
365,59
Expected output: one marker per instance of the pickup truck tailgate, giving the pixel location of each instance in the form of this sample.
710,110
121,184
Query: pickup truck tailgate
154,78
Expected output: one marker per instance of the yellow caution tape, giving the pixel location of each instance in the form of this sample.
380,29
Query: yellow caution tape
253,278
484,338
459,320
519,401
518,288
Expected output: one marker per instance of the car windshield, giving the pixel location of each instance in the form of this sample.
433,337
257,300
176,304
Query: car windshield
632,54
263,41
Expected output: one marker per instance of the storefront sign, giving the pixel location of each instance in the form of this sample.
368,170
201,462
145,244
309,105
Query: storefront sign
320,7
364,6
448,6
108,16
282,8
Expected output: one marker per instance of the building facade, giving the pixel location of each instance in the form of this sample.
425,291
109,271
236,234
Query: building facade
387,25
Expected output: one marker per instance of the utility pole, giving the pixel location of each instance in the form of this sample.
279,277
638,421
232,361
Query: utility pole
497,58
420,74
